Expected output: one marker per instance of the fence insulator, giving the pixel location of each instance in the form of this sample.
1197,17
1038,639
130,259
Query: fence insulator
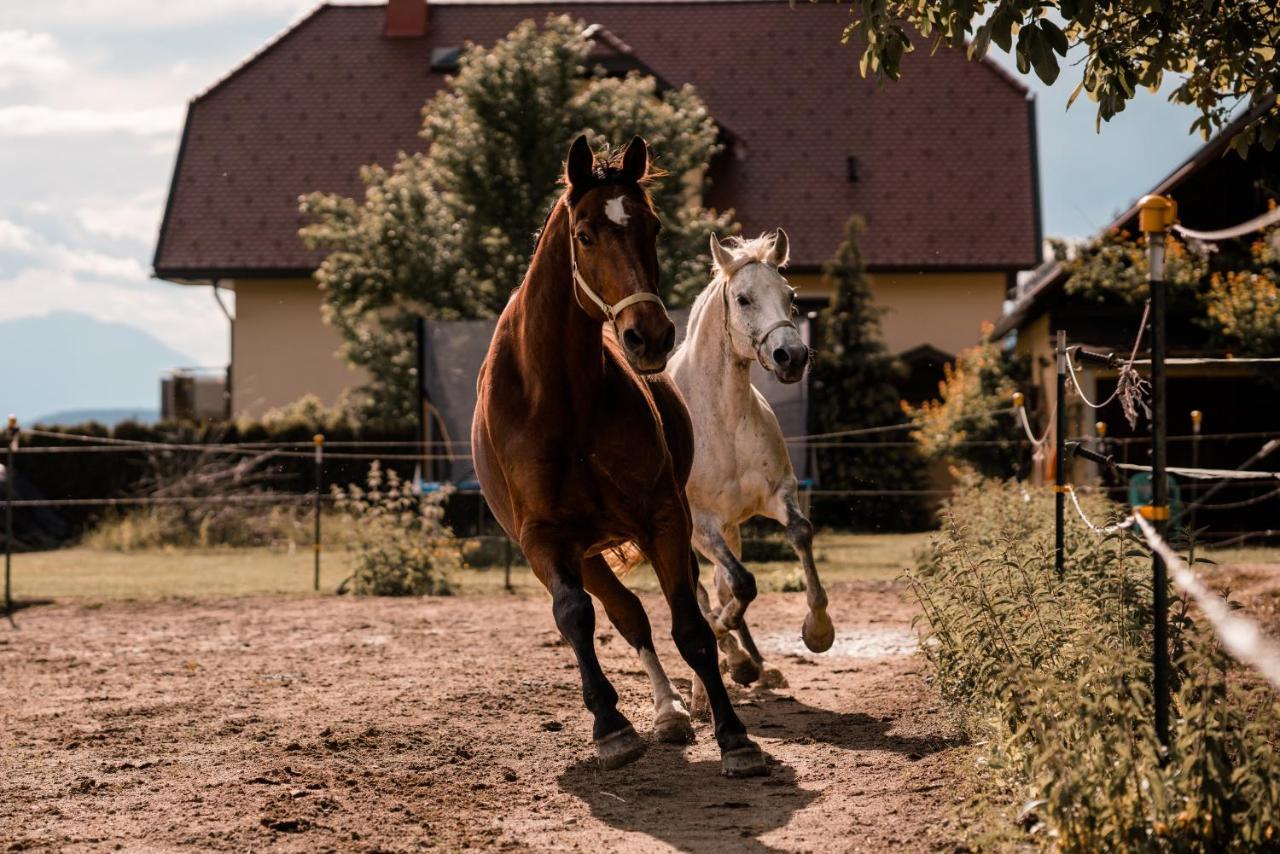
1100,428
1107,360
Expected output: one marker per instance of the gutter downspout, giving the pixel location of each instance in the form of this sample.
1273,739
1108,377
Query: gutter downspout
231,350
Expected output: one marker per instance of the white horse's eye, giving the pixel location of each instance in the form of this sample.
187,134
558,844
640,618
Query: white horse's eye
744,301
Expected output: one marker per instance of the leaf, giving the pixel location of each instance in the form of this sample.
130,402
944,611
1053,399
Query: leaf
1056,37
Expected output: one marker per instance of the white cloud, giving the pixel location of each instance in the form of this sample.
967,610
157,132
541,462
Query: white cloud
26,55
16,238
27,120
136,218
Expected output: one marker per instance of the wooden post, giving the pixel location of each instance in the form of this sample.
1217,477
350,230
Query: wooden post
12,445
1060,457
1196,417
319,442
1156,215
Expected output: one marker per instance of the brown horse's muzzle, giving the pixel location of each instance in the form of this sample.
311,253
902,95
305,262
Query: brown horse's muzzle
647,336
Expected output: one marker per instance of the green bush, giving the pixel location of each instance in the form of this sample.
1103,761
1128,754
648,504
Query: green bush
1053,675
399,540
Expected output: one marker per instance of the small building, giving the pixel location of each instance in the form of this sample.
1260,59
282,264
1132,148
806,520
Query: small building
1214,189
942,165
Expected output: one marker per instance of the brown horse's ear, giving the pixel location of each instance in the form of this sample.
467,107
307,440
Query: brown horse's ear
580,164
635,162
781,249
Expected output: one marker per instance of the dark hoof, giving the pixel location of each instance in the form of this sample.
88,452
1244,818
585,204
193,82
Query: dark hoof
818,632
744,671
745,761
674,728
771,677
620,748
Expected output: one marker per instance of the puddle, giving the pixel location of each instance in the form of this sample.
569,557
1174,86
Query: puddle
850,643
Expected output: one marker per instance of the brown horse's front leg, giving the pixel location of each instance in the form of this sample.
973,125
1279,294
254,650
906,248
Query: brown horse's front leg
672,562
557,562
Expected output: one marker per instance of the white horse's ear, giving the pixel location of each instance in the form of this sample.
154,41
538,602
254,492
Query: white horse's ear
722,257
781,249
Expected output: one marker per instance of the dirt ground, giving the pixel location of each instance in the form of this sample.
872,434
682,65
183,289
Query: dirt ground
323,723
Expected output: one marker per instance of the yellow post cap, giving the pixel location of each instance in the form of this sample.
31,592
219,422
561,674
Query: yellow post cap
1196,417
1018,398
1100,428
1156,213
13,422
318,438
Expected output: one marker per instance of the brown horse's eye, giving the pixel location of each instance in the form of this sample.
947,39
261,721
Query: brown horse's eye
583,238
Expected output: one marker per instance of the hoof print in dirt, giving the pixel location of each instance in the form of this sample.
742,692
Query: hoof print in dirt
745,761
620,748
285,825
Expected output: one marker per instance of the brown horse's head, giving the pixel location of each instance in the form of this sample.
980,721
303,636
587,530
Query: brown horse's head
615,233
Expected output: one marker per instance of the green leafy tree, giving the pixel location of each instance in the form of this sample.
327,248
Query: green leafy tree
853,382
448,232
1221,53
969,422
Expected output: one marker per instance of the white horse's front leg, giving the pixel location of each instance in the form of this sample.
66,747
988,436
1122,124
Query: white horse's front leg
742,667
818,632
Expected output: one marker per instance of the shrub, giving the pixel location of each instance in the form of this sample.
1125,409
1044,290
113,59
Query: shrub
1052,674
399,540
960,426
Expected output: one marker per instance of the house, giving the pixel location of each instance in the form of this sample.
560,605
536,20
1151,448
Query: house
1214,189
941,164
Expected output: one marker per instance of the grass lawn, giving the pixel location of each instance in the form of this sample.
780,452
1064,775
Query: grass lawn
94,574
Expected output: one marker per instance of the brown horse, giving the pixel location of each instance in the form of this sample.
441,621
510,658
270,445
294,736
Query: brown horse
581,445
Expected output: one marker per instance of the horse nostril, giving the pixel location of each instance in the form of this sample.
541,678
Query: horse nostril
781,356
669,339
633,341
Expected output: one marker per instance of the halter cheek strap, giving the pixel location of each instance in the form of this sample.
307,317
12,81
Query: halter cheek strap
610,312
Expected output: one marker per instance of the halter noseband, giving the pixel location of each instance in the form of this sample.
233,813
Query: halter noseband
610,312
757,341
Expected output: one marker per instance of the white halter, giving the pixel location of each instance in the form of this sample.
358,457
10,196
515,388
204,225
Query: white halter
610,312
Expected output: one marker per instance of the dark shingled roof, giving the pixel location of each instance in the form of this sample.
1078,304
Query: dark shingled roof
946,159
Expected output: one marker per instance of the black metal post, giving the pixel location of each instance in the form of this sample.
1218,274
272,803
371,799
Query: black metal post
1156,217
319,440
1060,456
12,446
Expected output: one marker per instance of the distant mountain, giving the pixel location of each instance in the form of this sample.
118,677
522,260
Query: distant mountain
106,417
69,361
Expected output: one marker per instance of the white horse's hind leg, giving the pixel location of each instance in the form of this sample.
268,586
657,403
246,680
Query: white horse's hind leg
670,717
818,632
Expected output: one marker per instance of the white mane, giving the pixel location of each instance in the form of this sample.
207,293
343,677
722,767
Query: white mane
745,251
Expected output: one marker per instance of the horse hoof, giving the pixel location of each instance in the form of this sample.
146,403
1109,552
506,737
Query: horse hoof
673,728
746,761
744,671
771,677
619,748
818,632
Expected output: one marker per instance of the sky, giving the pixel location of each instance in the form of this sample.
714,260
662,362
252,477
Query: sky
92,99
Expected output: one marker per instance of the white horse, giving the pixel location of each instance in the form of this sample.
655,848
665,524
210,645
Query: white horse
741,467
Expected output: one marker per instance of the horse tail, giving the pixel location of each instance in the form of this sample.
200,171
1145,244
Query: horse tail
624,558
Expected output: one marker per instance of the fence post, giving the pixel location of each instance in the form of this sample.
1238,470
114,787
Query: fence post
1060,456
319,441
1157,214
12,446
1196,417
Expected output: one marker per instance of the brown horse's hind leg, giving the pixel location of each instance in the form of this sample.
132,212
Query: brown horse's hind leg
558,566
672,562
671,718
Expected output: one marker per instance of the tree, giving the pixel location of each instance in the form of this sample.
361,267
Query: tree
965,423
853,386
448,232
1222,53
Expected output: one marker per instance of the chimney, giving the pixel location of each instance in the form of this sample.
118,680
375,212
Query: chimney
406,19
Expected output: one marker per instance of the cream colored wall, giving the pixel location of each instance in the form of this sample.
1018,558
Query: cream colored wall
282,349
945,310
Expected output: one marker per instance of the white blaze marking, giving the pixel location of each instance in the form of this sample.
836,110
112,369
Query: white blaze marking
616,211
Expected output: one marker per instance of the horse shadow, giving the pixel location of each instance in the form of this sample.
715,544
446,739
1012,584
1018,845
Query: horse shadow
690,806
687,803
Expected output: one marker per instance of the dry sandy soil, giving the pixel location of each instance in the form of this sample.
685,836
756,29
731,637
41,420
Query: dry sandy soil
309,723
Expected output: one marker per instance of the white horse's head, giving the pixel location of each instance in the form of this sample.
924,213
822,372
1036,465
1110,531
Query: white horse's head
759,304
